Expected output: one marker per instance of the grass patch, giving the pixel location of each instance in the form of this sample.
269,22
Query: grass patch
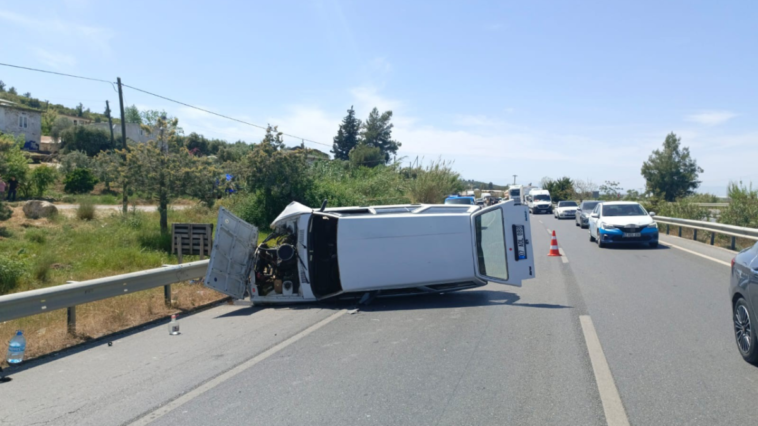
86,210
11,271
36,236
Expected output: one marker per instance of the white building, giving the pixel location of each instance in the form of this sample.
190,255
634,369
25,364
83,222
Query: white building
134,132
18,119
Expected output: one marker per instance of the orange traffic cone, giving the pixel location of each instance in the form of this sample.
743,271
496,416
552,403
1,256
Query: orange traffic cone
554,246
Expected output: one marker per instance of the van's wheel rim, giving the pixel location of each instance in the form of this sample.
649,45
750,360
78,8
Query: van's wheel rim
742,329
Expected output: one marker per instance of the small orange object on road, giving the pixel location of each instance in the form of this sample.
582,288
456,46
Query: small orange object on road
554,246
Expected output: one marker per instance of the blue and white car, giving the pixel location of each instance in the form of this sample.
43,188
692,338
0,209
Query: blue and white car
622,222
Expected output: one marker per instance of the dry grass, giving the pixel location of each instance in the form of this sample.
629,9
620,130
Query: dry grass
47,333
723,241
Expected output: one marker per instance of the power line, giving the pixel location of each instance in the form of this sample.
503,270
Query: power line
165,98
57,73
220,115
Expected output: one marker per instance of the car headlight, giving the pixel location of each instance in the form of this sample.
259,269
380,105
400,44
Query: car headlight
653,225
607,226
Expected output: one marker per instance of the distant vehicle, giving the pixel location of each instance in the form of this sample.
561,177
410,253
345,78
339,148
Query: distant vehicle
455,199
622,222
514,193
479,201
565,210
584,211
383,250
743,288
539,201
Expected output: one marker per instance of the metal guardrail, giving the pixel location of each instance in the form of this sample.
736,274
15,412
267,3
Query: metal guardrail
712,227
33,302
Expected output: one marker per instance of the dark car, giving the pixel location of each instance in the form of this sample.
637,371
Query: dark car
744,291
583,212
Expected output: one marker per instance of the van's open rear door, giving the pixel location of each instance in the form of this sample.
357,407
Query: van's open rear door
232,255
502,244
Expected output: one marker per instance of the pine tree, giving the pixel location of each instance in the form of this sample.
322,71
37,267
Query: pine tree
671,173
377,131
347,136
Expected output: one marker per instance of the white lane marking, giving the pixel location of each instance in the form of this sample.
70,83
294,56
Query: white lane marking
540,220
564,259
162,411
695,253
549,231
615,414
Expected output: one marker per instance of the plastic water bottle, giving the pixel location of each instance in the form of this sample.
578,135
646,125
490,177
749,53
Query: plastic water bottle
173,326
16,348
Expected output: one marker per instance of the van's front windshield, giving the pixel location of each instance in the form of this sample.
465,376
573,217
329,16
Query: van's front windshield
541,197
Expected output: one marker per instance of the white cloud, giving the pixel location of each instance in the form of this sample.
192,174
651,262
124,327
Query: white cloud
711,118
82,35
474,120
55,60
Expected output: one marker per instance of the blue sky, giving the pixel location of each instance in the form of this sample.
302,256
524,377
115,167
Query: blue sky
582,89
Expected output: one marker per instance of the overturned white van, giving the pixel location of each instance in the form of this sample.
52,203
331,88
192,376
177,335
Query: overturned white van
388,250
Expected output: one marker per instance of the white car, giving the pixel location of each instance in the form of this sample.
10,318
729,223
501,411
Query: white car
565,210
388,250
622,222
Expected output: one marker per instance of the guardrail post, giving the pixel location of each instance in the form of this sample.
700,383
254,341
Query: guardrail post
71,320
167,294
733,241
680,232
694,234
713,237
667,229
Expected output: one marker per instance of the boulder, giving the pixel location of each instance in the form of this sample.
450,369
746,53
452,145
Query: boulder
36,209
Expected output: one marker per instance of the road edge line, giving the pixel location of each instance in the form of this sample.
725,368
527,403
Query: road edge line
210,384
695,253
615,414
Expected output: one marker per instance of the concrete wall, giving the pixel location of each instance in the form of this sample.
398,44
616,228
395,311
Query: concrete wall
133,132
9,123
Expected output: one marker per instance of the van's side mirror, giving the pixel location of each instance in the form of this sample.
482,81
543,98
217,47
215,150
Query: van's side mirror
652,213
594,215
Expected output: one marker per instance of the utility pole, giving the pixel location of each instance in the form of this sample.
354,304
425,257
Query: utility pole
110,123
125,200
514,179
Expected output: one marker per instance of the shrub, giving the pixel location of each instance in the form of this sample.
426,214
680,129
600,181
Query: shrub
41,179
5,211
366,156
79,181
11,272
743,206
433,183
43,266
86,210
36,236
74,160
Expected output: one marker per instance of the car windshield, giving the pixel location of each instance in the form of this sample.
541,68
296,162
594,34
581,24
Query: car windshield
459,201
567,204
490,244
541,197
589,205
623,210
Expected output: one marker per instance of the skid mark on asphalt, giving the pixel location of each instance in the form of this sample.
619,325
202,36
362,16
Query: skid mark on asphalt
615,414
695,253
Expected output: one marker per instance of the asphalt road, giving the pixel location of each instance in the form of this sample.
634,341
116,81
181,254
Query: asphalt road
494,355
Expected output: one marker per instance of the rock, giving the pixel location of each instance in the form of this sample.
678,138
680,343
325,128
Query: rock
36,209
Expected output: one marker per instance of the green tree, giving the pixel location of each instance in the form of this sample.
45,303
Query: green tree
86,139
610,190
132,115
347,136
560,189
79,181
73,160
275,177
27,95
743,206
47,121
2,86
80,110
197,143
40,180
12,91
106,166
59,126
671,173
367,156
377,131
